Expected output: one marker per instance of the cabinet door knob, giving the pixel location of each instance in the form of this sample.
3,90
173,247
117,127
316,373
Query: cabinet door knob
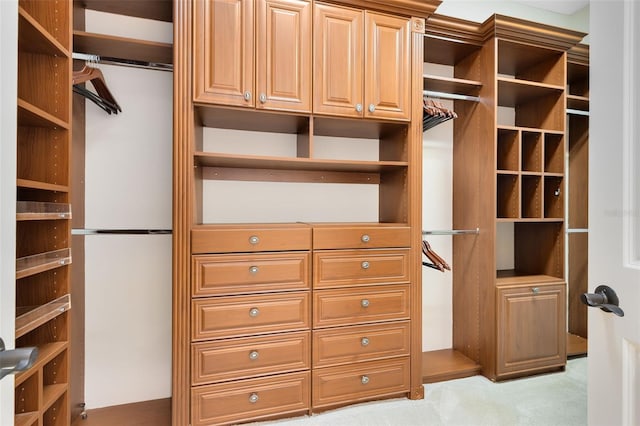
253,312
358,107
364,380
372,107
535,290
263,98
253,398
364,303
253,355
365,238
364,341
253,269
254,240
365,265
247,95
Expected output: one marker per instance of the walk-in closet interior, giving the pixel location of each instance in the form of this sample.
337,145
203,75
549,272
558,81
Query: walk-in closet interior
244,210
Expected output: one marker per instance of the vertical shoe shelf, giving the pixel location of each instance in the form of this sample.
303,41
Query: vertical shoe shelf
43,209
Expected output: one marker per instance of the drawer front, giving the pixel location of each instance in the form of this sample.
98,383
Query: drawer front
254,399
236,316
360,343
370,380
255,273
343,268
360,305
345,237
250,357
222,239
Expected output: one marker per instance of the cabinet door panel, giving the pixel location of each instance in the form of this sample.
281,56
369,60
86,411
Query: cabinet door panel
387,66
283,55
224,52
338,58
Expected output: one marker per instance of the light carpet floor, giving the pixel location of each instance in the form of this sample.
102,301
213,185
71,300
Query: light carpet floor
557,399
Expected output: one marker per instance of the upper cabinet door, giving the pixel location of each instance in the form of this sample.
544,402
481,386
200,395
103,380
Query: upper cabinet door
283,55
338,61
388,76
224,52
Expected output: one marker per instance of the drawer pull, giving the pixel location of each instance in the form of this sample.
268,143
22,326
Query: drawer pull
253,398
358,107
372,108
364,303
535,290
253,269
253,312
365,265
364,341
254,239
247,96
364,380
253,355
365,238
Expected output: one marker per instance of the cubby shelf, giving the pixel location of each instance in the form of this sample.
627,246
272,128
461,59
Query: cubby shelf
34,38
29,318
43,186
31,265
26,419
34,210
122,47
31,115
46,352
513,92
51,393
580,103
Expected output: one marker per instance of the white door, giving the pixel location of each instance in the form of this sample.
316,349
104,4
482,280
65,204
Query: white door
614,211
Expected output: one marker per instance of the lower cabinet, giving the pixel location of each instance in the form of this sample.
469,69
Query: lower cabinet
531,326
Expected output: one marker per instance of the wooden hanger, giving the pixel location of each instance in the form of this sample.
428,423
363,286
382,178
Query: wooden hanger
96,78
438,262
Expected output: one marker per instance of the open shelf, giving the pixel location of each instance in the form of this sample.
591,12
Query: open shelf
531,63
508,196
34,317
31,265
122,47
46,352
43,186
31,115
35,210
580,103
34,38
158,10
510,278
513,92
26,419
447,364
456,86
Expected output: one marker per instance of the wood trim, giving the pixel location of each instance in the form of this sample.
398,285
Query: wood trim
419,8
183,136
579,54
156,412
459,30
159,10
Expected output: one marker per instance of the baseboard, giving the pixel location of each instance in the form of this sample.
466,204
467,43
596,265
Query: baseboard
146,413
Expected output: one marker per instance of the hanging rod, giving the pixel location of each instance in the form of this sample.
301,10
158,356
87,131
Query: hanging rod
453,232
122,62
577,230
121,231
577,112
453,96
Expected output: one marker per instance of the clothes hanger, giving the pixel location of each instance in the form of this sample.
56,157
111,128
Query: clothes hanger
96,78
438,262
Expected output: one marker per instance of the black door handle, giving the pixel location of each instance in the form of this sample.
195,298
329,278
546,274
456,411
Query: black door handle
604,298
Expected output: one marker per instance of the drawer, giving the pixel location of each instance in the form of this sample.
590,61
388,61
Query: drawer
244,400
354,383
341,268
250,273
360,305
236,316
250,357
232,238
360,343
357,236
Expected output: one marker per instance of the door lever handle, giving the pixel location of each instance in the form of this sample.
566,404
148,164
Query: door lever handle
604,298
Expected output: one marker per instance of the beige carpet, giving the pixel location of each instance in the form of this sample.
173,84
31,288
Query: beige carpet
558,399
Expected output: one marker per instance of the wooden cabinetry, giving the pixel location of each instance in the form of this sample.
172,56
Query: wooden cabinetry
43,229
253,53
362,59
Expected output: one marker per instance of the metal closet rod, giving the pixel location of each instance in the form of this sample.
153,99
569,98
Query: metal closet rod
121,231
453,232
122,62
453,96
577,230
577,112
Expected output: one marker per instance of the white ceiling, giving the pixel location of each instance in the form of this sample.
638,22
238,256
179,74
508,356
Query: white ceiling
567,7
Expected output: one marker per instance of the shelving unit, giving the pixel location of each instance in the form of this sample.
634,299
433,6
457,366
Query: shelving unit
43,210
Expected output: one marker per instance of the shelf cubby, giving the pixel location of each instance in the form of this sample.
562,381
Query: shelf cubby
27,419
531,63
34,38
531,197
56,405
508,150
109,46
553,197
455,86
539,248
27,396
537,105
508,196
37,210
554,153
54,19
531,151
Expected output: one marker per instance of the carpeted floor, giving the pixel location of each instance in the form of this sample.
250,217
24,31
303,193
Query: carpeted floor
558,399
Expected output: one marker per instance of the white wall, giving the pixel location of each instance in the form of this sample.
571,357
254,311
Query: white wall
129,186
8,95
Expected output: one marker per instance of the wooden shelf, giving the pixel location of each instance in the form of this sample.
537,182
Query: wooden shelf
530,220
31,115
455,86
447,364
122,47
34,317
51,393
158,10
530,129
34,38
446,51
34,210
46,353
514,92
510,278
26,419
44,186
31,265
578,102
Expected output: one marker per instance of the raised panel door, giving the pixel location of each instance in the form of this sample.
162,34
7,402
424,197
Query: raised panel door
283,55
338,61
387,66
223,69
